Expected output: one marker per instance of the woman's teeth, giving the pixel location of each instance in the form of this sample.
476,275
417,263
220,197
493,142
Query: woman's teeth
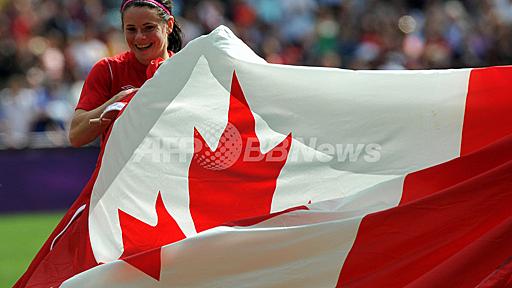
143,46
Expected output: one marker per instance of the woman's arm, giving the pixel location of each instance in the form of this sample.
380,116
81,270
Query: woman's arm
83,131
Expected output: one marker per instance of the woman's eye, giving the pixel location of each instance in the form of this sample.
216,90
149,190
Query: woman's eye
130,29
149,28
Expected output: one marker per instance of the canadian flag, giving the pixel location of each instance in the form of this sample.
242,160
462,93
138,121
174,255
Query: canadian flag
227,171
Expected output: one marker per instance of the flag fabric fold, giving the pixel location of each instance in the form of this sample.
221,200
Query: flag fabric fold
226,171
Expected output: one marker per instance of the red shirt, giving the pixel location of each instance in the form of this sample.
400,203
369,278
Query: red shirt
110,76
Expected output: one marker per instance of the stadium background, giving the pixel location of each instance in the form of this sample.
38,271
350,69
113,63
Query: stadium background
47,48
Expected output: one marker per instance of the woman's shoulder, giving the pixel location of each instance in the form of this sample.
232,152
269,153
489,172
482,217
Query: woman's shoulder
119,61
122,58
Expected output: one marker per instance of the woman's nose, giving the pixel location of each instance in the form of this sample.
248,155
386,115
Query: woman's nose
139,35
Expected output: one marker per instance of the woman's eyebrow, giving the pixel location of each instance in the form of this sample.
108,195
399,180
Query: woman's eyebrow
144,24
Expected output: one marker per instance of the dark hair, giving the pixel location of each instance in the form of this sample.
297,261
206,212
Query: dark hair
174,42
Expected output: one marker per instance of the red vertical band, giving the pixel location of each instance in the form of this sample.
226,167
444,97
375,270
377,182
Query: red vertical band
488,115
452,226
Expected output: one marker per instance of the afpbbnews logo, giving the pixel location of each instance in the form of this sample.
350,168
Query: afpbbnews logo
341,152
170,149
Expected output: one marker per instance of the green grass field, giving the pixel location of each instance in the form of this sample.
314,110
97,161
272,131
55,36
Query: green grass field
22,235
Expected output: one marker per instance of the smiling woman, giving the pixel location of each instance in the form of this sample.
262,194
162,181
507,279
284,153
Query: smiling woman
153,36
146,34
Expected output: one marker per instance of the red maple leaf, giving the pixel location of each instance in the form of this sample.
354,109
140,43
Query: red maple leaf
142,242
221,191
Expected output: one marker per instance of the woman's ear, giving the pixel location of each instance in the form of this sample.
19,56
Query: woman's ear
170,25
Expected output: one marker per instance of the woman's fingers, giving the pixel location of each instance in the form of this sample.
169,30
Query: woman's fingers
99,121
124,93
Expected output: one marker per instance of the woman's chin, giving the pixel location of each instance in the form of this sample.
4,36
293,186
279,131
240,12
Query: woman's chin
144,58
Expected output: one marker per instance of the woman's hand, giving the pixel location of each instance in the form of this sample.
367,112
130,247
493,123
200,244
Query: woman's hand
88,125
121,95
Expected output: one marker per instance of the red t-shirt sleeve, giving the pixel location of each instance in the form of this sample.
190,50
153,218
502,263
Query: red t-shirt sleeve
97,86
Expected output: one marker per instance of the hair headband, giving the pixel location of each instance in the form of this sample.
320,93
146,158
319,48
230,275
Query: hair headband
152,2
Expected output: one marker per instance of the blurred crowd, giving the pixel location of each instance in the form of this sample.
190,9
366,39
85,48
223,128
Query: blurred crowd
47,47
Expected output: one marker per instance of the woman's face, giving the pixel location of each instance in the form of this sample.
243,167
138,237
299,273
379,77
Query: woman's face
146,33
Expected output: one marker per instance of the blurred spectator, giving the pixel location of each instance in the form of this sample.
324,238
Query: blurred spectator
18,106
47,47
85,51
